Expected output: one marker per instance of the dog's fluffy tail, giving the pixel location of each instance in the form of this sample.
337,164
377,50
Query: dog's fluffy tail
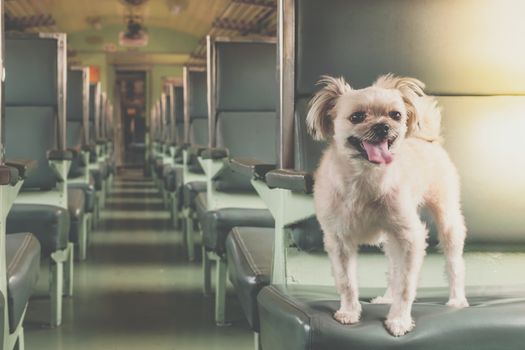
424,114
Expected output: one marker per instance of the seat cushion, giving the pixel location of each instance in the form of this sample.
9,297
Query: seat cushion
49,224
98,177
76,205
190,192
89,194
217,224
201,206
249,252
23,266
159,166
299,317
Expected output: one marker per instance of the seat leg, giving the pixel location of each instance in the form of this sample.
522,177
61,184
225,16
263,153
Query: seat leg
20,344
102,196
220,292
82,239
89,227
206,270
175,215
96,211
56,287
257,341
190,242
68,273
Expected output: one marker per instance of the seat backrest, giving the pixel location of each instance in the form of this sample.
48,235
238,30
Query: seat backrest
178,109
103,116
165,107
196,107
77,130
242,77
35,100
94,112
469,53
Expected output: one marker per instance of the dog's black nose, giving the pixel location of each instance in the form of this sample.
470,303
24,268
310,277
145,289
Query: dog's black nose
381,130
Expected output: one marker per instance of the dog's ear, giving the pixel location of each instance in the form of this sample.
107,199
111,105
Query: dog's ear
411,90
320,116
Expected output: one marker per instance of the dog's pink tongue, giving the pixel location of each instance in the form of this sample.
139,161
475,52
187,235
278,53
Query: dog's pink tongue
378,152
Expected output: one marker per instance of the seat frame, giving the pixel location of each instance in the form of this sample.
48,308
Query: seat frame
212,167
61,282
87,221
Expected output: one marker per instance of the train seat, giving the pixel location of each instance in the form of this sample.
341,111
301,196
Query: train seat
238,104
76,202
296,309
249,257
193,180
35,122
23,267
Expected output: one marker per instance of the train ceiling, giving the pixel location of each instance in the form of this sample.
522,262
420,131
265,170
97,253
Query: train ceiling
93,25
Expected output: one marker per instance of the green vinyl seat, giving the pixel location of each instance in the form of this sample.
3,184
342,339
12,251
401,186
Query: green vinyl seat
217,225
190,192
249,254
296,310
49,224
76,206
89,193
98,176
299,317
23,267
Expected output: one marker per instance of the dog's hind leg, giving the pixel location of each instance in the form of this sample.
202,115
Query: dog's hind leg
410,244
344,268
452,232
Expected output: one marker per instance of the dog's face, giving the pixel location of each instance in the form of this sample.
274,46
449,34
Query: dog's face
366,124
369,123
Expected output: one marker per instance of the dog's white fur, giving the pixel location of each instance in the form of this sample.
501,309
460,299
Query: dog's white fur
359,202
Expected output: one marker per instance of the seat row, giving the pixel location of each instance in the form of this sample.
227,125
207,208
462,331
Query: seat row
234,161
57,169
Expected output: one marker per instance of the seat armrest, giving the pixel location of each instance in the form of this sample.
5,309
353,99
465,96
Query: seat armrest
8,175
74,151
178,152
195,150
23,166
214,153
58,154
289,179
89,148
251,168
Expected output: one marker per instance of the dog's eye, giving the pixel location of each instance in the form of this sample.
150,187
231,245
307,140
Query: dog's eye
357,117
395,115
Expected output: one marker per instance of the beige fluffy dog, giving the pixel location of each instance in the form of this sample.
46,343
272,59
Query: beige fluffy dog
384,162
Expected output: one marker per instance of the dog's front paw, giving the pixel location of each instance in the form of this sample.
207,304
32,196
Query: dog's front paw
458,303
381,300
347,317
399,326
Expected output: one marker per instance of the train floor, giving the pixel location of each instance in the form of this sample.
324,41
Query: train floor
136,290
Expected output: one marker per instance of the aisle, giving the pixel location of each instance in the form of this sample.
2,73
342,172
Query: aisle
136,290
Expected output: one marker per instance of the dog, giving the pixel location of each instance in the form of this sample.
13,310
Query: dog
383,162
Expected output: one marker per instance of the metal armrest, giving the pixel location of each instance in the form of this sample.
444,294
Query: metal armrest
24,167
289,179
195,150
8,175
89,148
214,153
251,168
58,154
74,151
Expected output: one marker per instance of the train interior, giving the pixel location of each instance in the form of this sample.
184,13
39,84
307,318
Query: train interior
157,173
